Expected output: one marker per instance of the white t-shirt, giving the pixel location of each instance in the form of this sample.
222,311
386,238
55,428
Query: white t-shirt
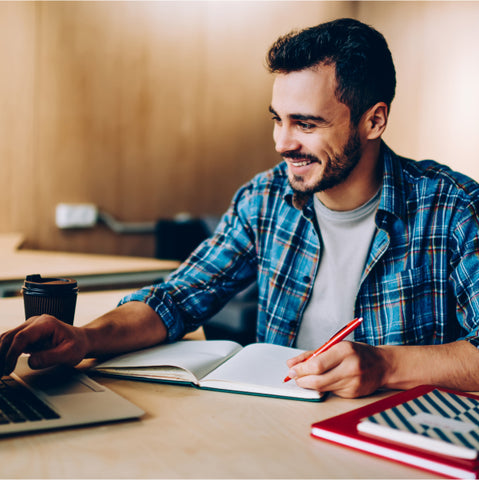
346,239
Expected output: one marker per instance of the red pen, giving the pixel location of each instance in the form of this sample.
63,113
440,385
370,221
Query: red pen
336,338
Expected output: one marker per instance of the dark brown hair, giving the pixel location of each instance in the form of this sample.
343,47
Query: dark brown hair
365,72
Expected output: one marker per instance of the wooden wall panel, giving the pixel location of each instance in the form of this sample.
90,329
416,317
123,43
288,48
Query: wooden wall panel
17,112
146,109
149,109
434,45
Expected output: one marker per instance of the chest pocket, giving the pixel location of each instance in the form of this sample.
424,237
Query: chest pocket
401,305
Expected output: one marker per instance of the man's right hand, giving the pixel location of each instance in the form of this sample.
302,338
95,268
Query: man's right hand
48,340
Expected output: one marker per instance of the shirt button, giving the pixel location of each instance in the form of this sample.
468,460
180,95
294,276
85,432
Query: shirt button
293,323
306,279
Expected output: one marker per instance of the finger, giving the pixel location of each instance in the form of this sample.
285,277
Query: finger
299,358
346,374
5,344
316,365
27,339
327,382
60,354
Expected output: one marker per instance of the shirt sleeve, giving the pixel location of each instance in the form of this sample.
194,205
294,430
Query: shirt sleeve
220,267
465,274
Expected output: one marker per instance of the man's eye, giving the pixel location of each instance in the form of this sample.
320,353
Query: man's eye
306,126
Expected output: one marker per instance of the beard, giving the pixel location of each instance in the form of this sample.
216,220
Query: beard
336,170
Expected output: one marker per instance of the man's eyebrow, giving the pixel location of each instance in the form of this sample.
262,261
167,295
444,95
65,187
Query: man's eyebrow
272,110
305,118
301,117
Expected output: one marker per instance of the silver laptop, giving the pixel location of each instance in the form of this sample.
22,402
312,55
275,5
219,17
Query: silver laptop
59,397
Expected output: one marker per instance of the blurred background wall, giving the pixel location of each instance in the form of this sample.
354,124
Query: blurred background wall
150,109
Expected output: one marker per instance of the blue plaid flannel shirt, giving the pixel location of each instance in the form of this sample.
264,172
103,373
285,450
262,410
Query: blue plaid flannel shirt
420,284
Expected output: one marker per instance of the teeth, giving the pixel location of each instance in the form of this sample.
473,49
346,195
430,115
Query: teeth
300,164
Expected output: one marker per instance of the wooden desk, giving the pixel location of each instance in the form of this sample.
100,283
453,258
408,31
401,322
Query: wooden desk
189,433
90,270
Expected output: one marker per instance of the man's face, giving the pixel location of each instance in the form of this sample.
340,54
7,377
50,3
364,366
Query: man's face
312,129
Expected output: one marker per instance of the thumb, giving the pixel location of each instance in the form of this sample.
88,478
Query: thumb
53,356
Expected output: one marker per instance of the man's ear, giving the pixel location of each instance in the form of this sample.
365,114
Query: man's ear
375,120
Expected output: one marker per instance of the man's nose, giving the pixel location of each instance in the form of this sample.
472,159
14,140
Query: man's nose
285,140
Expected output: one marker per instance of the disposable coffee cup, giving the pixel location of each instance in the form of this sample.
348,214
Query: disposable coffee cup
52,296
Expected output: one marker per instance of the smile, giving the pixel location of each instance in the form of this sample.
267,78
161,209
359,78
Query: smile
301,164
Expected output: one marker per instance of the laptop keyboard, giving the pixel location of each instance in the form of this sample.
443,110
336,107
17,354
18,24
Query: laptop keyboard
18,404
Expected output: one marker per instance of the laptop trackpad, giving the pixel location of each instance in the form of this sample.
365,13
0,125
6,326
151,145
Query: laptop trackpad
59,380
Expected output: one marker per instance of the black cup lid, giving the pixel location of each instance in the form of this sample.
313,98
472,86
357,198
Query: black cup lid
37,283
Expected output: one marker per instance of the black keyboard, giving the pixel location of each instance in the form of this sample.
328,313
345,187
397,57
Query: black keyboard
18,404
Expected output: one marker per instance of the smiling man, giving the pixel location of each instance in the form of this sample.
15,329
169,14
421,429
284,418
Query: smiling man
342,228
321,145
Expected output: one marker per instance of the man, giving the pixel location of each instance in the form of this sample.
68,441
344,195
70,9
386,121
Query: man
343,227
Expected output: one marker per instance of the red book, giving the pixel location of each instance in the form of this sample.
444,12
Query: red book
342,430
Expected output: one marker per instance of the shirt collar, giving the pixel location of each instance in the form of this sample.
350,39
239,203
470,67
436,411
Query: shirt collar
393,195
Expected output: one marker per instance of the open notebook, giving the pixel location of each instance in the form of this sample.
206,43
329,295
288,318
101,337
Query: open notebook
257,369
59,397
